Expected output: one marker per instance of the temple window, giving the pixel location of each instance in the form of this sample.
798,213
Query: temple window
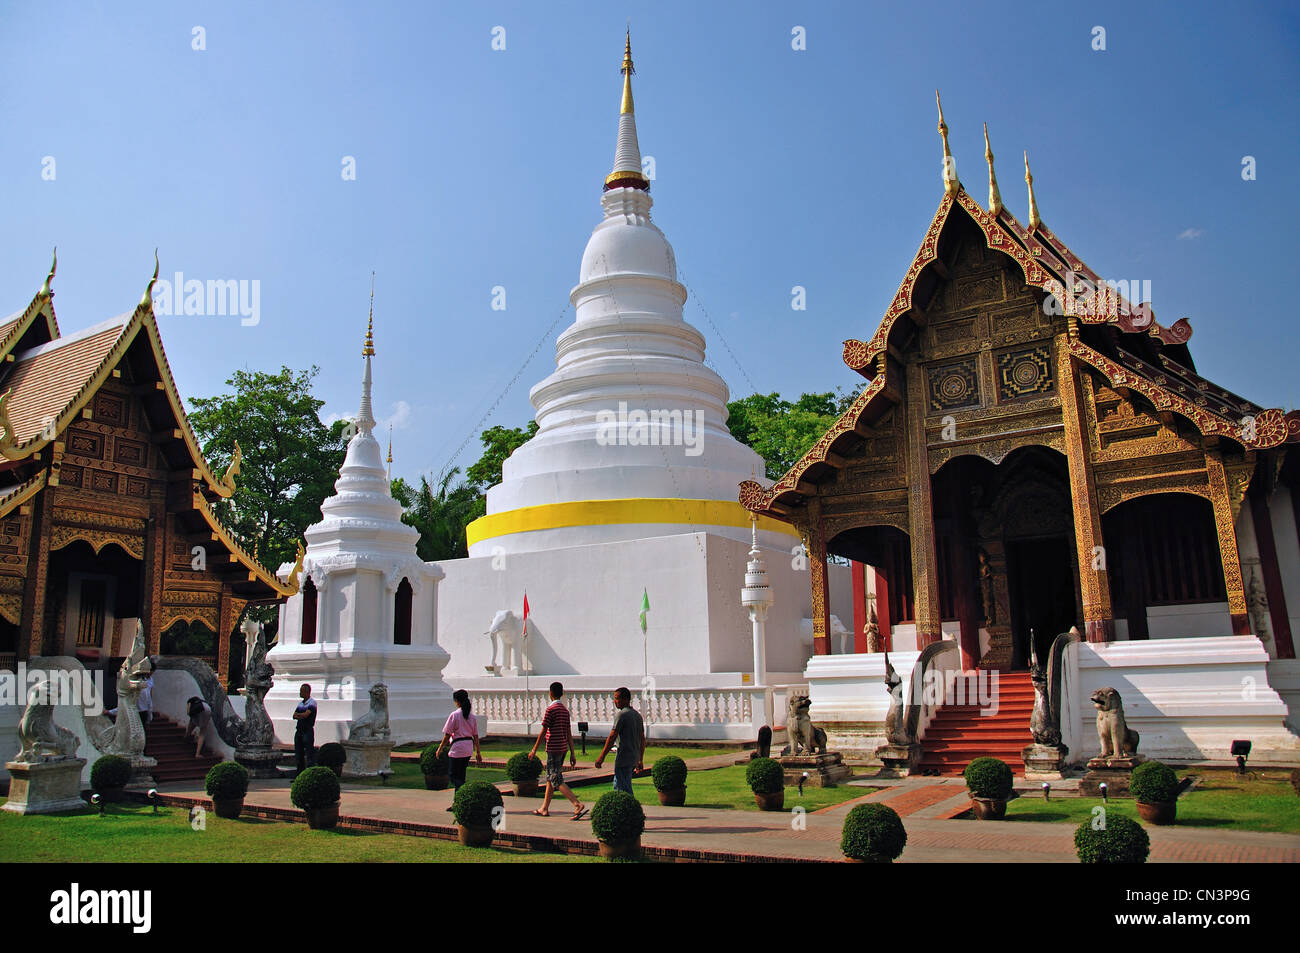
309,612
402,614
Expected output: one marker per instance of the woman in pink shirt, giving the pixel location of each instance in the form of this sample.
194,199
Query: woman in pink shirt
461,732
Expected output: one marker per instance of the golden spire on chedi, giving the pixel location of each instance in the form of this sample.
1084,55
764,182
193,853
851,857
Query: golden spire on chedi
950,183
369,349
1034,220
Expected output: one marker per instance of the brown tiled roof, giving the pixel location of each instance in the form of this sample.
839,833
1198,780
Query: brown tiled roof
46,379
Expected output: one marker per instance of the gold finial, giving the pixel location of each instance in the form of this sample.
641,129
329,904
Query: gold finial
45,288
390,445
369,349
1034,220
146,300
995,197
627,72
950,183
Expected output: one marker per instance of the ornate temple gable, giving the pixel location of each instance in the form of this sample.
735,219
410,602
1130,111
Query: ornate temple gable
33,326
50,386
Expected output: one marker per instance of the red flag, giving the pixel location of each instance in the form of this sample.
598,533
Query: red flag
525,615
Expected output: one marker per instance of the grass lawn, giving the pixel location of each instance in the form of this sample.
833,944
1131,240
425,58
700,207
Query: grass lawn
726,788
1265,802
134,832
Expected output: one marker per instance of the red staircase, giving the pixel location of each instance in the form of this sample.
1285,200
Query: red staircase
165,741
958,734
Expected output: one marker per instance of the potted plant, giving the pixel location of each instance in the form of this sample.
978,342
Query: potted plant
226,784
1155,788
669,777
767,780
332,756
435,769
618,821
989,782
109,775
872,834
524,769
476,807
1119,840
316,792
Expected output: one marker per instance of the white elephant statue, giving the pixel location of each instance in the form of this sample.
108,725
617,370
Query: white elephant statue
509,631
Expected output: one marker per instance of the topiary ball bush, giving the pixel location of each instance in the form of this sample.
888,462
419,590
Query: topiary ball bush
331,754
315,787
1153,782
669,773
430,763
110,773
475,803
227,781
988,778
523,768
1121,841
764,776
873,832
617,818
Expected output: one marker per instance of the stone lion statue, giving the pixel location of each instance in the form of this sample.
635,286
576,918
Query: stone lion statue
799,727
1117,739
41,738
373,725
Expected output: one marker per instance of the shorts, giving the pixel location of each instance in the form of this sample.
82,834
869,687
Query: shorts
554,768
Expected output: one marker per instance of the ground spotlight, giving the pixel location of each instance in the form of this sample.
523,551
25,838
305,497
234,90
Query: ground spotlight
1047,791
383,777
1104,791
802,778
153,799
98,802
1241,751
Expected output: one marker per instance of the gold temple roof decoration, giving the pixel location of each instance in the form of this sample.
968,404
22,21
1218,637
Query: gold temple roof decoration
146,299
1034,221
950,182
49,279
995,197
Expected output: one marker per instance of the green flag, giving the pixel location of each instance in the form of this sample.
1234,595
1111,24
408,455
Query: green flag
645,607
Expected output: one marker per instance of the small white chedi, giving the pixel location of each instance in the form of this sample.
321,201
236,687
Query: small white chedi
365,612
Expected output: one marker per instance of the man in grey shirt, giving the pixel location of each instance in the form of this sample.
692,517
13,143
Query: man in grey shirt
629,731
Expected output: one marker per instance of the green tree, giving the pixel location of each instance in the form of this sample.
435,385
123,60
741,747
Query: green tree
780,431
498,444
442,514
290,458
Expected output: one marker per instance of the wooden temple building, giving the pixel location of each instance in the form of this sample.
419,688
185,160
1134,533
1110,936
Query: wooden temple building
106,501
1034,451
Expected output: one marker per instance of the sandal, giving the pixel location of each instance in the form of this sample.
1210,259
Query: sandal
579,814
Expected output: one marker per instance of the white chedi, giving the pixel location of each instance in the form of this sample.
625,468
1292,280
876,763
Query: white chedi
366,609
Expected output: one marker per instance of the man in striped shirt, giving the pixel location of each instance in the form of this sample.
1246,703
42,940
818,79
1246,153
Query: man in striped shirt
559,739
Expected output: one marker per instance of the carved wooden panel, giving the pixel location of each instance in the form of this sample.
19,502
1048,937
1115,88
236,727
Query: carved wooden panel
132,453
1024,372
953,385
110,408
83,443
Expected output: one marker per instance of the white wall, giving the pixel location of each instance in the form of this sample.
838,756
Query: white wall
585,600
1188,699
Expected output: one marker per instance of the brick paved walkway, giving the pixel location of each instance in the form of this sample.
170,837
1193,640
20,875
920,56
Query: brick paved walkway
703,834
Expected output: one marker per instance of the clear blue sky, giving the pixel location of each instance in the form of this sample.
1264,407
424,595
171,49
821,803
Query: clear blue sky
775,167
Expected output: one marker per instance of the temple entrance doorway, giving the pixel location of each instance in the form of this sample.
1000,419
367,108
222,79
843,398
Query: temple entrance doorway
1040,579
1004,542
